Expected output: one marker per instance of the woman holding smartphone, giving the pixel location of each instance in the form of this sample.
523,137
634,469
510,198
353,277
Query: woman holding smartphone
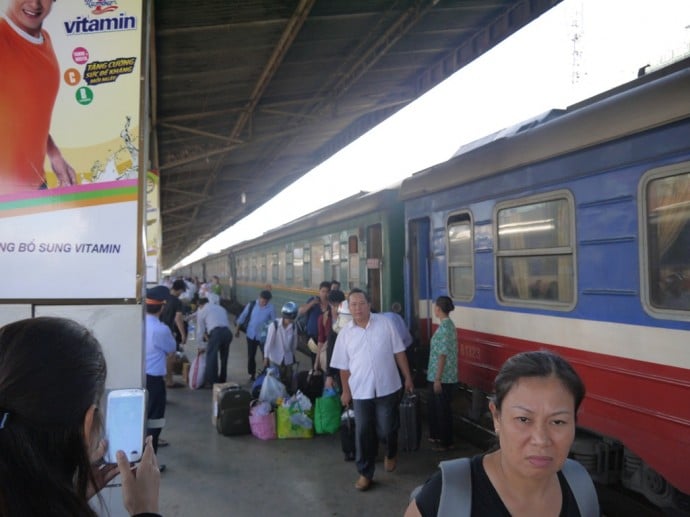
52,378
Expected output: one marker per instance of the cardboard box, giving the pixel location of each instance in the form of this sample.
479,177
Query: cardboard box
185,373
217,388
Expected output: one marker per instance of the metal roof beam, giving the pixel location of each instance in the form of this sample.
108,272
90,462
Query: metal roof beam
201,156
366,56
288,36
200,115
185,193
181,206
509,21
228,139
223,27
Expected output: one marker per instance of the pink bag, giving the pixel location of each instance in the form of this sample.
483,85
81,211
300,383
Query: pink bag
197,371
263,425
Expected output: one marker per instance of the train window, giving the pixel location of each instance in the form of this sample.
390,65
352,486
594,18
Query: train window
340,266
460,252
317,263
535,254
262,268
353,245
275,271
289,276
353,262
281,267
254,273
667,237
306,269
298,267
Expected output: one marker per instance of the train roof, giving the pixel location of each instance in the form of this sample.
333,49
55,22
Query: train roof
649,101
359,204
509,131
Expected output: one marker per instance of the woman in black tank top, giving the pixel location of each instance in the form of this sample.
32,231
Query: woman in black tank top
537,395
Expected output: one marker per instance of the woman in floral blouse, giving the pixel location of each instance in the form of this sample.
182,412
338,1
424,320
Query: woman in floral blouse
442,375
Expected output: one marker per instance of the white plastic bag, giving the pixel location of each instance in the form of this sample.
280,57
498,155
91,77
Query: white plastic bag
260,408
197,371
299,400
301,420
272,389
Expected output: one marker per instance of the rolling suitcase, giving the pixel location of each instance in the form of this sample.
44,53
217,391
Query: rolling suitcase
233,411
347,434
410,423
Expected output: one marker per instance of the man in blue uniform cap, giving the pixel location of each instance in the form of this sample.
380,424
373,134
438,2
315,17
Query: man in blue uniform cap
159,343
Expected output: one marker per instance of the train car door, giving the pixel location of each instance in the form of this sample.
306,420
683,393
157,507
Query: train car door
374,255
418,289
418,295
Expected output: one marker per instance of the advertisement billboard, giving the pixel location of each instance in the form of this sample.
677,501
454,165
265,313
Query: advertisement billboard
70,97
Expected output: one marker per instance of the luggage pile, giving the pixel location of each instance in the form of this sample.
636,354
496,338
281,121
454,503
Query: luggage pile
269,412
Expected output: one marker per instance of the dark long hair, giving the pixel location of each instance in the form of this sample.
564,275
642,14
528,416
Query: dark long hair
51,371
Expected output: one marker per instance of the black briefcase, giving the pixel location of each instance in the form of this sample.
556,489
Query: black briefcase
347,434
410,423
310,383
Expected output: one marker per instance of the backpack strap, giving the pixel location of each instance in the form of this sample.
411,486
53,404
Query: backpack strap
456,488
582,487
246,319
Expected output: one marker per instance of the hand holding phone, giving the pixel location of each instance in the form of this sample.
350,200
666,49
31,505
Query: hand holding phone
140,490
124,423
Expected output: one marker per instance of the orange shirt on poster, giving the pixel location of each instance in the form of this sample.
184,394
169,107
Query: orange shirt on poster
29,82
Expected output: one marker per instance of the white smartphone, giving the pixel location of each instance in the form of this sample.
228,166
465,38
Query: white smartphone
124,423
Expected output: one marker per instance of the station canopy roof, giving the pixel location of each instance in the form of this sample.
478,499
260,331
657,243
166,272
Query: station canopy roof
249,95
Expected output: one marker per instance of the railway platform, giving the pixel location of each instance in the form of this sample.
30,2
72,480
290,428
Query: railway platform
208,474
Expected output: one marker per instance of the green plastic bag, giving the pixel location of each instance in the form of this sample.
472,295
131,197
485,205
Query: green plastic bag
327,415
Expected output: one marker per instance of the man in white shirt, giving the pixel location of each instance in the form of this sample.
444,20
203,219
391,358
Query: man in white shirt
368,353
213,327
281,343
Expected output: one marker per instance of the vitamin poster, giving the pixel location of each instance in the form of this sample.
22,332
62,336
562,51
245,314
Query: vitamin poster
70,88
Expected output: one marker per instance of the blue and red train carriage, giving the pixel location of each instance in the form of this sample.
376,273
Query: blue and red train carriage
570,232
